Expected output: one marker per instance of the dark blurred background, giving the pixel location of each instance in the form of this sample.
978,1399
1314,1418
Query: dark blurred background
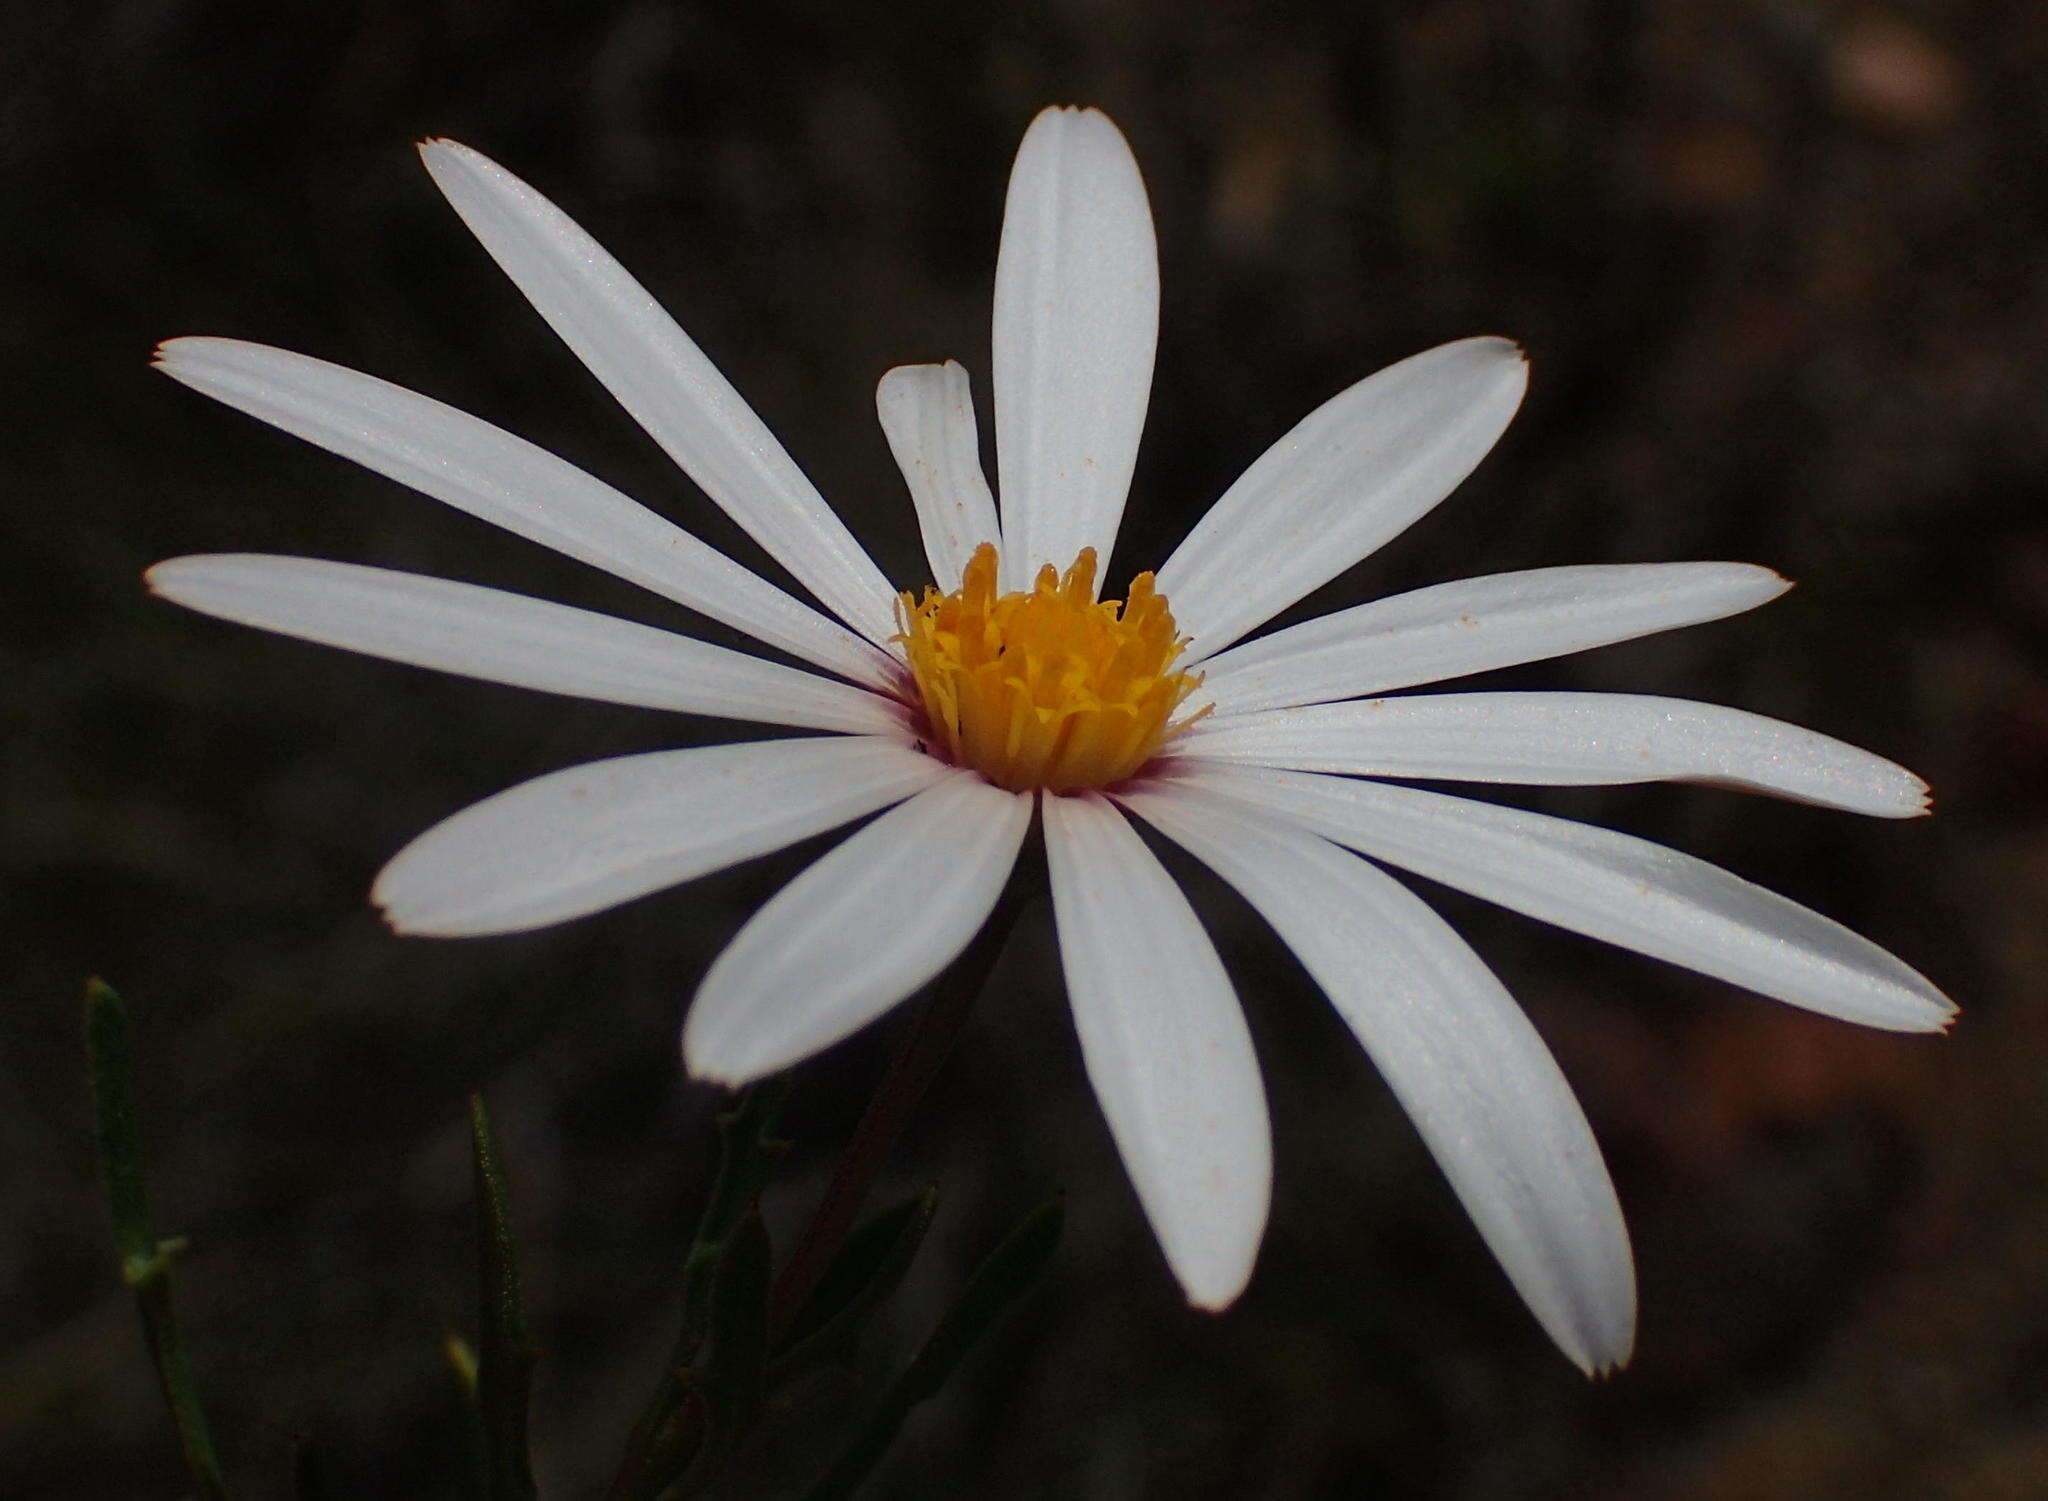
1779,266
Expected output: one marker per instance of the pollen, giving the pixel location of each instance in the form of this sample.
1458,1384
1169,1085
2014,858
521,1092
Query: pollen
1046,687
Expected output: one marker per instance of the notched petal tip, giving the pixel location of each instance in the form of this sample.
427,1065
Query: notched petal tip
176,357
1601,1359
1942,1016
1513,359
896,375
1769,583
406,921
1915,799
1082,117
1921,1011
1511,350
185,349
439,155
899,383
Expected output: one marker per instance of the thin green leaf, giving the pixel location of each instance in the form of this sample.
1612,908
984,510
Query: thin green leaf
145,1260
671,1426
866,1270
747,1159
731,1371
1007,1273
505,1358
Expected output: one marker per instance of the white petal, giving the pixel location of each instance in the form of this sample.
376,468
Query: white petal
1564,739
508,482
1166,1047
665,381
927,412
1076,322
590,837
858,931
1475,625
1351,475
1609,886
1455,1048
509,638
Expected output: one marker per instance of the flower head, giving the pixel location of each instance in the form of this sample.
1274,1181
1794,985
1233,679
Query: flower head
955,713
1046,688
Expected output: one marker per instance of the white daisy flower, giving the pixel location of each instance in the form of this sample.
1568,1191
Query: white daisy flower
956,713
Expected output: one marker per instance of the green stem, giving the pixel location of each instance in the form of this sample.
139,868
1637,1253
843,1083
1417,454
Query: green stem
671,1427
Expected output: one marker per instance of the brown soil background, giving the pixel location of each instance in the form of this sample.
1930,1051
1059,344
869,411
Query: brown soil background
1780,269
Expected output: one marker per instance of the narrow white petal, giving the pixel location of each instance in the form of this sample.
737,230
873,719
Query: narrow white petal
510,638
507,481
858,931
665,381
1351,475
1609,886
1456,1050
590,837
1165,1045
1563,739
927,412
1476,625
1076,322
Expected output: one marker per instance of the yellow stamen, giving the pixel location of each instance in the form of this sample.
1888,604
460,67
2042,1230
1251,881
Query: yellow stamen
1046,687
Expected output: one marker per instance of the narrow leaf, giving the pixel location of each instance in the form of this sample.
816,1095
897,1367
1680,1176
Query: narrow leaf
145,1260
671,1425
866,1270
505,1358
732,1369
747,1158
1007,1273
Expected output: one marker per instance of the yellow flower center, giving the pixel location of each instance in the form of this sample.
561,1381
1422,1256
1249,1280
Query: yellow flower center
1046,687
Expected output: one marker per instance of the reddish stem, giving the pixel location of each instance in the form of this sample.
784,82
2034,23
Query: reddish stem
920,1052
